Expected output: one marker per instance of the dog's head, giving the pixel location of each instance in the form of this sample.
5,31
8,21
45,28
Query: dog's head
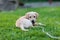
32,16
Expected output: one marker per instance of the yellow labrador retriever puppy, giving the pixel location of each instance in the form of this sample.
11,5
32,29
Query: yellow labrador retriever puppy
29,20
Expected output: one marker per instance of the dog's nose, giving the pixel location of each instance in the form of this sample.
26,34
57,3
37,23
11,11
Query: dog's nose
33,21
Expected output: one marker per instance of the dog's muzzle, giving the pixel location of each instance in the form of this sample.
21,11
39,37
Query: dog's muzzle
33,22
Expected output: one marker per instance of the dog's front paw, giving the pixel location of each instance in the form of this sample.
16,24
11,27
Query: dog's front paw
42,24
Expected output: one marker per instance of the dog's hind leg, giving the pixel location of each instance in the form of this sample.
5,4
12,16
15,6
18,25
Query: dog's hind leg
22,27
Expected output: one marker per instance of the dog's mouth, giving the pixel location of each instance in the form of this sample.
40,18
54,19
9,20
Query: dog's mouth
33,22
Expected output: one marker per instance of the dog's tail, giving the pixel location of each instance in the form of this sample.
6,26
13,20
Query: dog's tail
17,24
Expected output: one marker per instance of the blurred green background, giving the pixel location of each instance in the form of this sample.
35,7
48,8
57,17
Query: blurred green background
36,0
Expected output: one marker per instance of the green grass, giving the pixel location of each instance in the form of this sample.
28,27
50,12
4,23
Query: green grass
48,16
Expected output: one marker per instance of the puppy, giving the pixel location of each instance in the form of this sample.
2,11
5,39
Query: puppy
23,23
29,20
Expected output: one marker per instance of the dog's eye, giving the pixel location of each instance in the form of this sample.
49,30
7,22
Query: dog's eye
30,16
34,16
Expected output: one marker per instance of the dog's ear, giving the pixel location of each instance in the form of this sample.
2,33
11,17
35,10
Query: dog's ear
27,15
36,15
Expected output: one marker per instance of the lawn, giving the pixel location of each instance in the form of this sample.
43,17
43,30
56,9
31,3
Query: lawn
47,15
